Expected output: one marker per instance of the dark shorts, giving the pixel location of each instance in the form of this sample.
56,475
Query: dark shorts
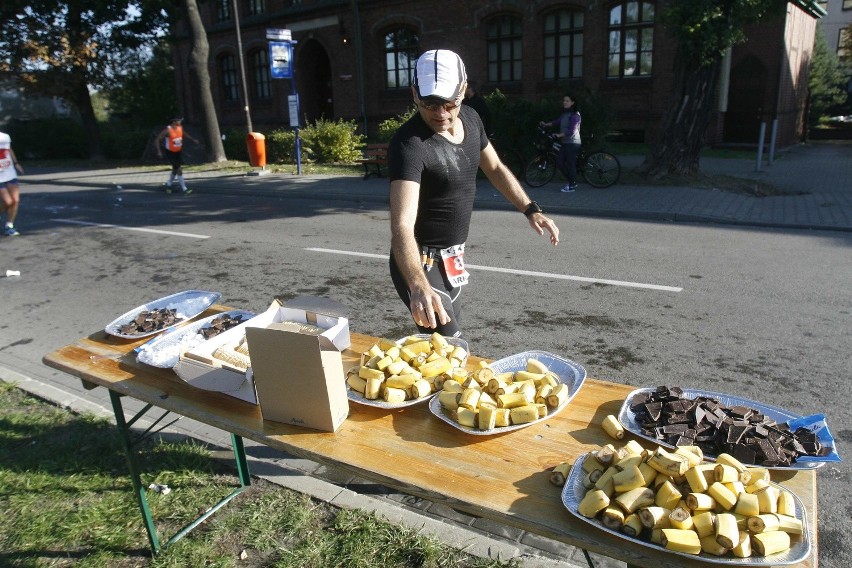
7,184
450,297
174,158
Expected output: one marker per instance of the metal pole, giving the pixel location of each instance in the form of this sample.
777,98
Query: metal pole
242,64
359,64
772,137
760,146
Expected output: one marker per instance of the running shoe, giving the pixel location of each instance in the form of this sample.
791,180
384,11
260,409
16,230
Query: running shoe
10,231
185,191
568,188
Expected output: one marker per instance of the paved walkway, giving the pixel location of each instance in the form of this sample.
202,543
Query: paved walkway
816,181
816,177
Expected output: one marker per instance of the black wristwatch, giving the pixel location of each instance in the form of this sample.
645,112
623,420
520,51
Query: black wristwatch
532,208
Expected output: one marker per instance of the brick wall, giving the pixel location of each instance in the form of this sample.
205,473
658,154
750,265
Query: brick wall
320,27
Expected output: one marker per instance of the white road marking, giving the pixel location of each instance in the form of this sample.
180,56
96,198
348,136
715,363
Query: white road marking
140,229
658,287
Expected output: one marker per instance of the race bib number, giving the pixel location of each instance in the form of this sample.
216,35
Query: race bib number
178,142
453,259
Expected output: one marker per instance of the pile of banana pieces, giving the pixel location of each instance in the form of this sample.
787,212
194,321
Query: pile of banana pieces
677,500
411,369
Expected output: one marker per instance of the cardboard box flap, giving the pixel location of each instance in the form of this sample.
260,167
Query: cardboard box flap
316,305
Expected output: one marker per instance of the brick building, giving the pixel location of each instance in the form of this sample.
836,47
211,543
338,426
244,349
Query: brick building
354,57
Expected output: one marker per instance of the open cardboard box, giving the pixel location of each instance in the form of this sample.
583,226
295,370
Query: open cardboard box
299,376
200,369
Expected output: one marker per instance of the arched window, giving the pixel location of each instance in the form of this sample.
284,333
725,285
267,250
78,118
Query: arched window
228,76
563,45
631,39
401,47
260,80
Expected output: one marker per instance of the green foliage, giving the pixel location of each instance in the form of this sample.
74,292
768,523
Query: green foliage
281,146
704,29
826,80
48,139
235,146
146,96
388,127
124,141
515,121
331,141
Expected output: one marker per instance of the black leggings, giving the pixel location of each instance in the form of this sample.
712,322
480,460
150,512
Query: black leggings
450,296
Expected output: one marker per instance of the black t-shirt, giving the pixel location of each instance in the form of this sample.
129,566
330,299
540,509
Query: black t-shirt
446,173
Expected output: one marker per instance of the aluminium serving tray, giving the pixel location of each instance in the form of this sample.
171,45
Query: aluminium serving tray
628,419
164,351
188,305
800,547
571,373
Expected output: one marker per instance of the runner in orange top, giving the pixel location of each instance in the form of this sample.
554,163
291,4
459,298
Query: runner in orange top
171,139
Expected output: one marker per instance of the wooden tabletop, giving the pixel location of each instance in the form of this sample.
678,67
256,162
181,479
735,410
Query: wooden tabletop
501,477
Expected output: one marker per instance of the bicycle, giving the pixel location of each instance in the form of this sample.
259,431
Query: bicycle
599,168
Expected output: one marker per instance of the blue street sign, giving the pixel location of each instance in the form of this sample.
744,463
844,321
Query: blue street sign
281,59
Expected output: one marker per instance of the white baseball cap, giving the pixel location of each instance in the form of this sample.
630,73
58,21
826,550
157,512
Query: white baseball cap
440,73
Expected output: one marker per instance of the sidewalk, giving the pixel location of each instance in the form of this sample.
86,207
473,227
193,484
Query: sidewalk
818,178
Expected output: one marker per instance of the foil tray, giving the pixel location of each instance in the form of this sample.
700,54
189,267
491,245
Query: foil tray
357,397
571,373
573,492
628,419
188,304
164,351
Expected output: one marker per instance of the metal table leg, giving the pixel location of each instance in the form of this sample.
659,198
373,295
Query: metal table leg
139,489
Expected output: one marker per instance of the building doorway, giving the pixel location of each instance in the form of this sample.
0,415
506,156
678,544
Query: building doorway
745,101
313,80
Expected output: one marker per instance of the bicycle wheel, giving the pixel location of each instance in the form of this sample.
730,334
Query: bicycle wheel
539,171
601,169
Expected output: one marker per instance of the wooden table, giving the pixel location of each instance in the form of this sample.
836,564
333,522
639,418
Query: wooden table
500,477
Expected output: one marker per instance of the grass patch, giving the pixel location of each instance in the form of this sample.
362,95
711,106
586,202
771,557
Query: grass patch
66,500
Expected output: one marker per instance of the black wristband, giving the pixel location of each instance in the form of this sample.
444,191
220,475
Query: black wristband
532,208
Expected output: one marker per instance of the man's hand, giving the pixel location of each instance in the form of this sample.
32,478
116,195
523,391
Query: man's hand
540,222
427,309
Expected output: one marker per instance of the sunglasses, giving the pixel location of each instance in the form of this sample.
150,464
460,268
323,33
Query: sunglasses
434,107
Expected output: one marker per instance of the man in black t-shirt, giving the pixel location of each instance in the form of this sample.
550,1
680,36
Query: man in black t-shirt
433,159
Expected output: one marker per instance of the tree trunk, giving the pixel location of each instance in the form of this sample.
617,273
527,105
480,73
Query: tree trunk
200,77
82,99
683,126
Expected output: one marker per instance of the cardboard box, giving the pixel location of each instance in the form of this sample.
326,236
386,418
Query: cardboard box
299,377
198,367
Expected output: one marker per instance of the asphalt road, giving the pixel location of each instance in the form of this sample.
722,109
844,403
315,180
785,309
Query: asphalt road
759,313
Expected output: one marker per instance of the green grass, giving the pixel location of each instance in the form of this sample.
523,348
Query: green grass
66,500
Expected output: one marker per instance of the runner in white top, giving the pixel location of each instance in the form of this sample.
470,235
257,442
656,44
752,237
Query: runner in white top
9,189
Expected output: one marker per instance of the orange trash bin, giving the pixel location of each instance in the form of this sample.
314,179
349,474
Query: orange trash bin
256,144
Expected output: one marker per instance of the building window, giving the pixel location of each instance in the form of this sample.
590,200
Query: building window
631,39
847,4
255,7
563,45
228,73
504,49
223,10
260,79
401,48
